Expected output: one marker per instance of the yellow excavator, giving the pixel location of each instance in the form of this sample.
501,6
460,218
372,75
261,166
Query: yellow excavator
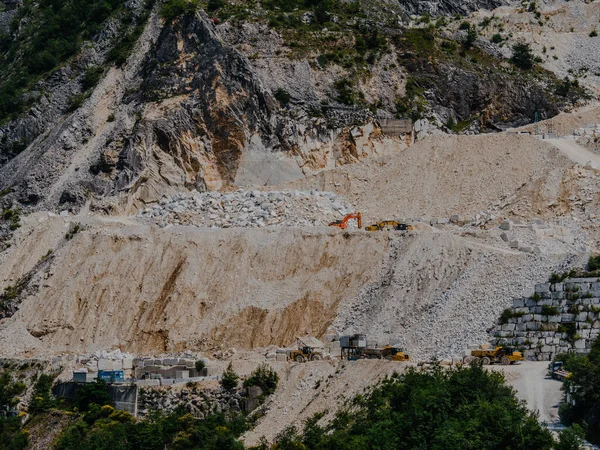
388,225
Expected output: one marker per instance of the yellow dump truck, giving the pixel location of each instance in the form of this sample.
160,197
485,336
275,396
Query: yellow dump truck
498,355
387,352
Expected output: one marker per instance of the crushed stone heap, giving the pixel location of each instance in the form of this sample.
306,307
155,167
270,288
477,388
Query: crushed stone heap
248,209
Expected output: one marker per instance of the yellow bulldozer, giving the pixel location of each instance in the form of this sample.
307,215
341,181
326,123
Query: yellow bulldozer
498,355
388,225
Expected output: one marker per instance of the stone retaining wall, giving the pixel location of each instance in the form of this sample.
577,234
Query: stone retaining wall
558,318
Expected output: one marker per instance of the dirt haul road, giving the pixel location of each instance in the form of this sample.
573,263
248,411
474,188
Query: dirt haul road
571,149
532,383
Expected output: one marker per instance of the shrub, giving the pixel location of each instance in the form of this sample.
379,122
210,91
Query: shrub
509,313
200,365
470,38
594,33
229,379
583,387
282,96
91,78
593,263
549,310
345,91
522,56
171,9
464,25
496,38
41,399
92,393
536,297
264,377
73,230
76,101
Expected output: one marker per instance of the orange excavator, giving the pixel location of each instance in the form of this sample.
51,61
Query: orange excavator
343,224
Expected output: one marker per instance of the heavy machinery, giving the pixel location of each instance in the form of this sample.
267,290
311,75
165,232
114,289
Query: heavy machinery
354,347
556,371
389,225
387,352
304,354
343,224
501,355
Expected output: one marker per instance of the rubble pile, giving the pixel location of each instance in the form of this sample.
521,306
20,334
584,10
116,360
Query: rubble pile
248,209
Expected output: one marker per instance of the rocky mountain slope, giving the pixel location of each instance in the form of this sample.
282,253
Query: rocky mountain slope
151,105
113,234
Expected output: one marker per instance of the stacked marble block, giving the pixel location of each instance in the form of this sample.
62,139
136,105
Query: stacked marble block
559,317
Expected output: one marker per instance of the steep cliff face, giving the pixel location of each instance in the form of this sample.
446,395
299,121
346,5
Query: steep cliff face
198,104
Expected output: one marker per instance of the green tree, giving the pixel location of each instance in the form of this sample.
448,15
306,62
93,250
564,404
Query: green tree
42,398
470,38
264,377
229,379
92,393
583,387
522,56
200,365
437,409
570,439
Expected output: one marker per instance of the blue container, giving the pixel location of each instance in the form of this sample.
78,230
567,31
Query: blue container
111,376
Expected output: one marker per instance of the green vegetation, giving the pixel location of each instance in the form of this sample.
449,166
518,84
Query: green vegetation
583,389
459,408
283,96
42,399
229,379
522,56
550,310
200,365
13,217
593,263
509,313
45,34
593,33
11,435
171,9
103,427
570,329
74,228
496,38
264,377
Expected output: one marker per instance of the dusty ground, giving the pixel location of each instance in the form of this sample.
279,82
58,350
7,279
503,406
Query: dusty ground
441,176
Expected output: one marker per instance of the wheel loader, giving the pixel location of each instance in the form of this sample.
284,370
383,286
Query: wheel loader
388,352
304,354
388,225
498,355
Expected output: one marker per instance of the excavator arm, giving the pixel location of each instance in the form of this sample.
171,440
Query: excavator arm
343,224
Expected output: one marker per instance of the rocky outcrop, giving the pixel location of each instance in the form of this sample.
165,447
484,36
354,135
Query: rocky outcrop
449,7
